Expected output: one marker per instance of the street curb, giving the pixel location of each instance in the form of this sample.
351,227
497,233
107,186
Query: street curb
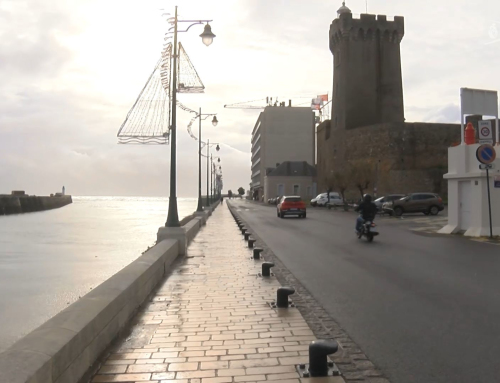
350,359
66,347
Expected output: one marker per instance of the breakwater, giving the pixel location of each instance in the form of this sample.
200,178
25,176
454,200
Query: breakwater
11,204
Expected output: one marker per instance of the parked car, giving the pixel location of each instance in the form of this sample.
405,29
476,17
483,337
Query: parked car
388,198
291,205
322,199
427,203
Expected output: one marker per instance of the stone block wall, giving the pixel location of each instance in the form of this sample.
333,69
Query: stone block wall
404,157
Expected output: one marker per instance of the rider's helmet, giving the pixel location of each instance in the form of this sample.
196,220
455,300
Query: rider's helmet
367,198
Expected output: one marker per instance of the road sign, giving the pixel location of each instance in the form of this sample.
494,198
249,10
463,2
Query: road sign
486,154
496,181
485,132
486,166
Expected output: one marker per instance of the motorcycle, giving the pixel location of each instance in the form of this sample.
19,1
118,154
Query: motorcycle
368,231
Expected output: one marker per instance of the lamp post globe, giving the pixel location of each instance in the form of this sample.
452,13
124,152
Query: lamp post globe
217,148
215,121
207,37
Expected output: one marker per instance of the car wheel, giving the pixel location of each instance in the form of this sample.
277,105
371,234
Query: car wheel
426,212
398,211
304,215
434,210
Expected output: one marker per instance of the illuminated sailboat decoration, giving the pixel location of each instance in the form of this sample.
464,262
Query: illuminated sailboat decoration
148,121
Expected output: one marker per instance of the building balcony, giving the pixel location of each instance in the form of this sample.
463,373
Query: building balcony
256,140
257,150
255,163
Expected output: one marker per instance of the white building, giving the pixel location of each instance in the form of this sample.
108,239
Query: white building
280,134
468,194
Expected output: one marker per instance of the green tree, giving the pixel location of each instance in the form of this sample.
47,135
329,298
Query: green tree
241,191
230,193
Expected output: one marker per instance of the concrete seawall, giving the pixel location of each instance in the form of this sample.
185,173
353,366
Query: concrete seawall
10,204
68,345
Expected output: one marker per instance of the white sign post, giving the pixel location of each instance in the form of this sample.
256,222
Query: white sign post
485,132
478,101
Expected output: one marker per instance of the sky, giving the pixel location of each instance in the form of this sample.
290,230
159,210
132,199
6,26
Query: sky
70,70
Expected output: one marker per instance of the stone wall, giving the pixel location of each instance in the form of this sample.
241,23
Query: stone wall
10,204
404,157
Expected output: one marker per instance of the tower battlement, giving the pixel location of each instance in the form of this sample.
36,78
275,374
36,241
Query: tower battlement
367,27
367,80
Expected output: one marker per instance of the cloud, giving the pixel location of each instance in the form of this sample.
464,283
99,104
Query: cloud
71,69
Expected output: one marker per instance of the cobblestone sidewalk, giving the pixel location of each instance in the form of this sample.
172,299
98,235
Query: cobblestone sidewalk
210,321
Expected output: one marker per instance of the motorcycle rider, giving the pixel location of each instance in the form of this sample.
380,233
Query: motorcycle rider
368,211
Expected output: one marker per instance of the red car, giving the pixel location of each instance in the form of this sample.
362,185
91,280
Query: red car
291,205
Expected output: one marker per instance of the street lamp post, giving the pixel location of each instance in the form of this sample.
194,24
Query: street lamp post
211,179
207,38
209,170
213,174
214,123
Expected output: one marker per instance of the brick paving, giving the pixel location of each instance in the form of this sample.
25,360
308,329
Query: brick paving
211,322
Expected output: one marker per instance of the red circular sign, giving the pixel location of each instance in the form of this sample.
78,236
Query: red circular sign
485,131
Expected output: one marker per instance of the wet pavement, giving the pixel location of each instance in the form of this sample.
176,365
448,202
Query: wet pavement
211,321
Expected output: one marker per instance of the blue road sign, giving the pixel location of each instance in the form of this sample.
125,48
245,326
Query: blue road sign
486,154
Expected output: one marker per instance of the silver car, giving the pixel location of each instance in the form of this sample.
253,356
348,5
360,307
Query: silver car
388,198
322,199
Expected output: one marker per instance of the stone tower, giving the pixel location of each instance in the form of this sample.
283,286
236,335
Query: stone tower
367,81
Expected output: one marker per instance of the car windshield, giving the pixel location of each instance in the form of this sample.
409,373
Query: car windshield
379,199
292,199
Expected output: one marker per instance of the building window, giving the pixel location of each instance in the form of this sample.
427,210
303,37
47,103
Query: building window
296,189
281,190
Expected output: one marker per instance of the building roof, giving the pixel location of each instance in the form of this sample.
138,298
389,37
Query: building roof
293,169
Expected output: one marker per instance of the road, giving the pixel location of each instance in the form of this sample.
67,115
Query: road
424,308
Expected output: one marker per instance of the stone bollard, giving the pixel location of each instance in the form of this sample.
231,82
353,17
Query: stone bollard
243,230
282,296
251,242
318,353
256,252
247,235
266,269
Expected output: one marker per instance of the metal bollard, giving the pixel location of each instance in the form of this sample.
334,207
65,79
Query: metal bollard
251,242
247,235
266,269
318,352
256,252
243,230
282,299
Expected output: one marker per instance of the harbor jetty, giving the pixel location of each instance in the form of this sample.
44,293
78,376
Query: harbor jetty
19,202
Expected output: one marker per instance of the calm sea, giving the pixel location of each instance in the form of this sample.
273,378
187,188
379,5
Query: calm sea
49,259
